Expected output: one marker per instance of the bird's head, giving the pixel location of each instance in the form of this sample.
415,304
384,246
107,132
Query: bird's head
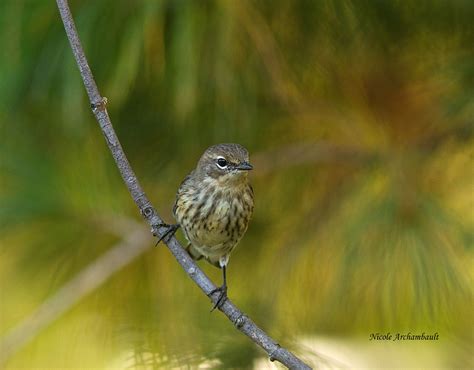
226,163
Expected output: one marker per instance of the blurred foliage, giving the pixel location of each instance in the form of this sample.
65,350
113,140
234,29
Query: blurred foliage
358,115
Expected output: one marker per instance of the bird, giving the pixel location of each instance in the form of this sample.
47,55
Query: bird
213,207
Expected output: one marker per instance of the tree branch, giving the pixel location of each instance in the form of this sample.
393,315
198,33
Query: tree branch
242,322
90,278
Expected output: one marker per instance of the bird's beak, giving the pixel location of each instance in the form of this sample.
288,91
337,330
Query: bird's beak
245,166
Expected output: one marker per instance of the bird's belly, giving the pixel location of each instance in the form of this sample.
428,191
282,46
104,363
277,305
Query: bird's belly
212,243
216,229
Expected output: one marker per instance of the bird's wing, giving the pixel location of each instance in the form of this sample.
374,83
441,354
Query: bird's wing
182,188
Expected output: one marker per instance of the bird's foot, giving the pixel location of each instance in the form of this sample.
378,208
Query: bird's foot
221,298
169,232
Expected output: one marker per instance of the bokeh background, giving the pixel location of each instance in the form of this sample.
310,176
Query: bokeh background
358,116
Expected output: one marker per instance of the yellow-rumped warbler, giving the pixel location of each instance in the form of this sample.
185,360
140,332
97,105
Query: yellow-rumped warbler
213,206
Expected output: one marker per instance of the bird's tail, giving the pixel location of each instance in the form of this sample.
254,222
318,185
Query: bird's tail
193,252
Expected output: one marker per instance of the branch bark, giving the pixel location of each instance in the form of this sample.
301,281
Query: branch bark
98,104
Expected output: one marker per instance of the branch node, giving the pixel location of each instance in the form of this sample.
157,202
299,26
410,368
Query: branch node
148,212
99,105
240,321
272,354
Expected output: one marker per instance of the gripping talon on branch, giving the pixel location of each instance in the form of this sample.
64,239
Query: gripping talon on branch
222,296
222,289
171,230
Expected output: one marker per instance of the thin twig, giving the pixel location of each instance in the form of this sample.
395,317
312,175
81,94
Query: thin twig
85,282
241,321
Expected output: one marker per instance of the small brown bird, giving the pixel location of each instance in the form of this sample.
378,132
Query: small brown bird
213,206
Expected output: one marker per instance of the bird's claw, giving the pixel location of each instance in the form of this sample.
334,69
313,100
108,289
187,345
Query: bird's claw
222,296
171,230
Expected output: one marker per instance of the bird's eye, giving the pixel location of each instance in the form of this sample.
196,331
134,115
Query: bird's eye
221,162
